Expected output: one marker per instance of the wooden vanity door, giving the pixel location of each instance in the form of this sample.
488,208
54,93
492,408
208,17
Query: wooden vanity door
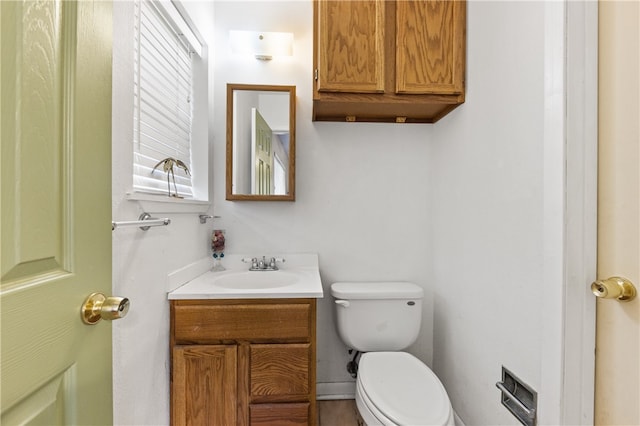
279,372
280,381
350,46
204,385
430,47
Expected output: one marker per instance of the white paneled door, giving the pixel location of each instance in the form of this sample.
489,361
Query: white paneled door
618,323
261,154
56,211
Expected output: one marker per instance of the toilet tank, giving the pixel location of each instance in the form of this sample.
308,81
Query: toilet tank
378,316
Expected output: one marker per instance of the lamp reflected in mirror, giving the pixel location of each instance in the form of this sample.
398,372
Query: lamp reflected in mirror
260,142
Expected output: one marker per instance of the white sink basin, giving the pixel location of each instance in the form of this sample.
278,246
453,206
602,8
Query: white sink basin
298,277
256,279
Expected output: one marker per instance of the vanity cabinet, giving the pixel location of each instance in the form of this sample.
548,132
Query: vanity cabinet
388,60
244,362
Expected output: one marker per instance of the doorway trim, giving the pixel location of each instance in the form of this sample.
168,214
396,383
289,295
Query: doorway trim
570,212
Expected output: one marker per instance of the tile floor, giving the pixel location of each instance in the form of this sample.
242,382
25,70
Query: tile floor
341,412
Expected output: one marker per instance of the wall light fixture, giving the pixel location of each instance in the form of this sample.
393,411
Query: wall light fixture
263,45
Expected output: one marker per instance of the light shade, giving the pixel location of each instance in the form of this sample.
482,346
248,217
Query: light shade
262,45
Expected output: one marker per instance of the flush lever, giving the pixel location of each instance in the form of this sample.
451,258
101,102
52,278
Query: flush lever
343,303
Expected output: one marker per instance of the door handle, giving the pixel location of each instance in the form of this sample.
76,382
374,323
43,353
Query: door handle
97,306
614,288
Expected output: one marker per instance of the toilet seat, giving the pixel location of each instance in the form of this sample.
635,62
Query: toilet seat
368,411
399,389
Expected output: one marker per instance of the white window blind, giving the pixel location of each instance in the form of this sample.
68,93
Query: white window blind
162,102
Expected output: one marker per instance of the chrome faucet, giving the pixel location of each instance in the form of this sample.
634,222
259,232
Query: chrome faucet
263,264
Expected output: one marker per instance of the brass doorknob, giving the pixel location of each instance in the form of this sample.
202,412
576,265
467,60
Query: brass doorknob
614,288
97,306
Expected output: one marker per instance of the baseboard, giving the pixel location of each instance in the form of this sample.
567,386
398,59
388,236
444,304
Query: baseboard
335,390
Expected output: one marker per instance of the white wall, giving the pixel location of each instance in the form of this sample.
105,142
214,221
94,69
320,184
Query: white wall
455,207
486,194
274,108
142,260
360,188
360,205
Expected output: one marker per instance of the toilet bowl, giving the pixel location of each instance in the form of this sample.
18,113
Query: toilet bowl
396,388
393,388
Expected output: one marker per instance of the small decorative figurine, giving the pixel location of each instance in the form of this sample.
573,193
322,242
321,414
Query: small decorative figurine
167,166
217,245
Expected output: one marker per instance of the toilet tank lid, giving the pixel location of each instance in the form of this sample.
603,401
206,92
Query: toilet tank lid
376,290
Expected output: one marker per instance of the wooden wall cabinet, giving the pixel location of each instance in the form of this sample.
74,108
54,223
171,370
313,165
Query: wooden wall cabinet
243,362
388,60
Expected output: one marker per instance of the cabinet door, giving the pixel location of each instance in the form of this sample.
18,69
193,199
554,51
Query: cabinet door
280,372
280,414
430,39
204,385
350,46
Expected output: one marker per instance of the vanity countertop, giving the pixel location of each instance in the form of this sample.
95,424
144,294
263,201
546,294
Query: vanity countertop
297,277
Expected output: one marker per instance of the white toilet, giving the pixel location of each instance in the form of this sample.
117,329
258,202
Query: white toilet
392,387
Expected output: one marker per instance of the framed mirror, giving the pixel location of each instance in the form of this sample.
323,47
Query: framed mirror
261,142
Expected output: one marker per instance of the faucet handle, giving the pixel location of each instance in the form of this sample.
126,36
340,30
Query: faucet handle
272,262
252,260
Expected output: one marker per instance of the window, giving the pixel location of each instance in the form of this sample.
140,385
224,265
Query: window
164,51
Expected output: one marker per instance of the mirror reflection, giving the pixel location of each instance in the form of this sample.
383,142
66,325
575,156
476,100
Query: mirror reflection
260,142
